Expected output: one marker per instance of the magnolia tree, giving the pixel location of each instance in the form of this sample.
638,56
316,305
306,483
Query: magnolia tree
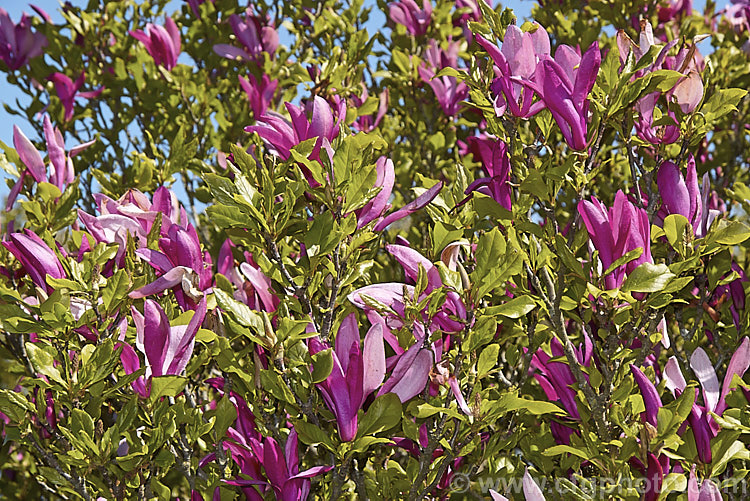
278,251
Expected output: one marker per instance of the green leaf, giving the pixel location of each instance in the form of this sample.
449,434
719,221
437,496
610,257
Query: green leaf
515,308
630,256
733,233
487,360
43,362
115,290
226,414
511,402
14,405
648,278
166,386
322,365
384,413
241,312
557,450
312,435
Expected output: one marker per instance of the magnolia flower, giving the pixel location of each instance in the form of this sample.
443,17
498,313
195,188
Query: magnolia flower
704,426
282,135
367,123
703,491
67,91
373,209
515,64
18,44
162,42
564,85
36,258
493,154
61,165
259,94
269,467
394,295
253,286
448,90
681,195
356,373
531,490
253,35
408,13
556,379
133,214
167,348
181,265
616,232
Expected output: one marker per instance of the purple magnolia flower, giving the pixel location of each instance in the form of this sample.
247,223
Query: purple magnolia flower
564,85
616,232
687,93
253,287
162,42
531,490
703,491
415,205
358,372
556,379
367,123
37,259
167,348
254,36
68,90
408,13
469,12
394,295
61,165
281,467
515,64
282,135
259,94
133,214
448,90
493,154
704,427
195,5
181,264
372,210
18,44
681,195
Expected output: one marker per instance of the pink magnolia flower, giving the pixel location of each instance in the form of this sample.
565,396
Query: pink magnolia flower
493,154
162,42
260,94
167,348
255,35
68,90
515,63
448,90
37,259
408,13
367,123
682,195
564,85
61,171
615,232
18,43
704,426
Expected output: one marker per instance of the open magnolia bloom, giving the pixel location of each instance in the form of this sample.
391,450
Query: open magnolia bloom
357,372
